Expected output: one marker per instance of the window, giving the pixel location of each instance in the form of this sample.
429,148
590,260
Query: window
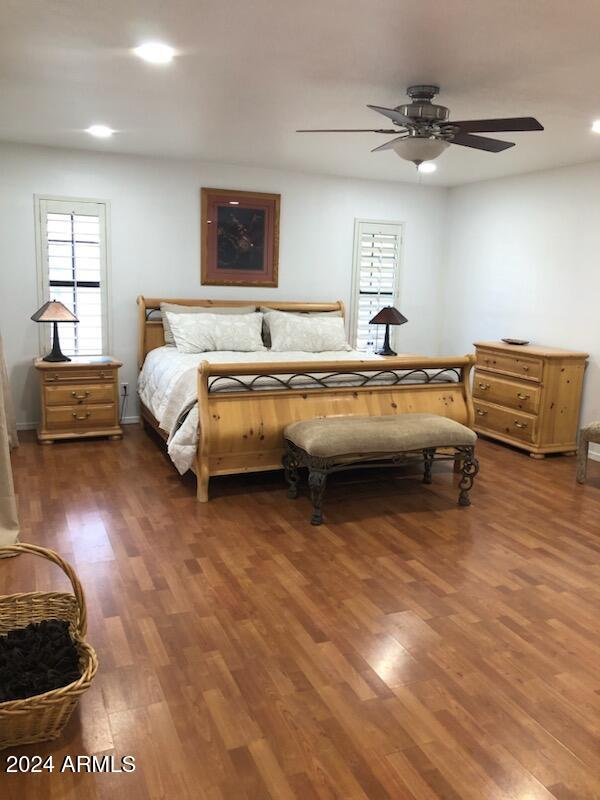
72,260
377,250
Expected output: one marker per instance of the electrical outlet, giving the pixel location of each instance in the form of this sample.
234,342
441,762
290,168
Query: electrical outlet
124,389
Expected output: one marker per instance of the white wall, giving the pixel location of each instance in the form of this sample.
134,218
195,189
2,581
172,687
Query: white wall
155,221
523,260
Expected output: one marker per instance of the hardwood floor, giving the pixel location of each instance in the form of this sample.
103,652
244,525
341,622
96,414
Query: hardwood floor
407,649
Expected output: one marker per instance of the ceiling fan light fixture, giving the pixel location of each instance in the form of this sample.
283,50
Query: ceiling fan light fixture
420,148
596,126
426,167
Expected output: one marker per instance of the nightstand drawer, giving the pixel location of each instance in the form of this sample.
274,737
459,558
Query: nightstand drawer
530,368
74,375
504,392
85,393
515,424
73,418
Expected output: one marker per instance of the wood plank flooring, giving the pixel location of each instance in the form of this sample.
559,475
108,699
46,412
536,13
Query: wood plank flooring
408,649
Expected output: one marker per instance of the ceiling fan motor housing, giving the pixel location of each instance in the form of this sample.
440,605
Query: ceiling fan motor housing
421,108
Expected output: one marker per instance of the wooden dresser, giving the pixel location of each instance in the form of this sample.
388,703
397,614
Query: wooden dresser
79,398
528,396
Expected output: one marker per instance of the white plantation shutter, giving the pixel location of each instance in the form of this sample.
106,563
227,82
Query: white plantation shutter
72,236
376,277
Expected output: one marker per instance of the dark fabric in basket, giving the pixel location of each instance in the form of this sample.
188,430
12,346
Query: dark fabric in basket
37,659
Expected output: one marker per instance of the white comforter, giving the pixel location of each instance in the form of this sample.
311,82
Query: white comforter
167,385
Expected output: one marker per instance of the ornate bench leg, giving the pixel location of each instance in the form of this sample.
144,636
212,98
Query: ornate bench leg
290,466
428,454
470,468
582,457
317,480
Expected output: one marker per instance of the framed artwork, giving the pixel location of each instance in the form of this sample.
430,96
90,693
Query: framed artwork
240,238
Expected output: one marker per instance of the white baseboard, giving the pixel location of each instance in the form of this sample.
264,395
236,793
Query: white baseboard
594,452
130,420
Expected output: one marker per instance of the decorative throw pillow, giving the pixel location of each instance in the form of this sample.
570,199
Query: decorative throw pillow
266,310
199,333
175,308
310,333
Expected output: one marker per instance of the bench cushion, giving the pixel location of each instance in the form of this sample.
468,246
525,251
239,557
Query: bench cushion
327,437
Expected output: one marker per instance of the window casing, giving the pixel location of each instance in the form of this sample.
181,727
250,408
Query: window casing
376,277
72,263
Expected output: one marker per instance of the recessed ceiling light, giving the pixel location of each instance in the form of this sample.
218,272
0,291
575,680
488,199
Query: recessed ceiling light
234,202
100,131
427,166
596,126
155,52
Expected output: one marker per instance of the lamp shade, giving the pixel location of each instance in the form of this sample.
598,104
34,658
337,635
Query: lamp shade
420,148
54,311
388,315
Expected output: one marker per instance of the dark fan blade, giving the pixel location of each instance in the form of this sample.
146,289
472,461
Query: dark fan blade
388,145
346,130
481,142
498,125
396,117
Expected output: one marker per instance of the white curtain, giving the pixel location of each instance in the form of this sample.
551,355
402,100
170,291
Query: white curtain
9,524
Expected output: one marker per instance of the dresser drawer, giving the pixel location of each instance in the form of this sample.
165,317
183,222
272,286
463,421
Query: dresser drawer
504,392
515,424
73,418
84,393
530,368
74,375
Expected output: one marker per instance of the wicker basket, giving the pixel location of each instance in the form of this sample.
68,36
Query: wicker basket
42,717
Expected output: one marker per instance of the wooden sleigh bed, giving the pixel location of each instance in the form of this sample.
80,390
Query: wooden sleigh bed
242,431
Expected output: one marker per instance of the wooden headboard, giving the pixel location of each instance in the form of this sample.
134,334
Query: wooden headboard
151,333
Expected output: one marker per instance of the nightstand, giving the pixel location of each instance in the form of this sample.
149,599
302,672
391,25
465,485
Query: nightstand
79,398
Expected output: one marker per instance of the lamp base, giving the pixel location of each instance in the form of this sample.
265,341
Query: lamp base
53,358
386,350
56,355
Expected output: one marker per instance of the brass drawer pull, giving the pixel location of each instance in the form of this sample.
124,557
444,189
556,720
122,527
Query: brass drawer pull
75,415
481,412
80,396
520,424
522,396
484,386
490,360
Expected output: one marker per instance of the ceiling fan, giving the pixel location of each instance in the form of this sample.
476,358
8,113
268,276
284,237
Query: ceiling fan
426,130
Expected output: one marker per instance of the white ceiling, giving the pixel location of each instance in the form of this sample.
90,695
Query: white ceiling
249,72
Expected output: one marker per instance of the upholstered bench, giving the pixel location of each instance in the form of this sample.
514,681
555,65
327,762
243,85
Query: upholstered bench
333,444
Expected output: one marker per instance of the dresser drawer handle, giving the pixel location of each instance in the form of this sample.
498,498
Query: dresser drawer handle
75,415
520,424
522,396
525,368
80,396
490,360
481,412
484,386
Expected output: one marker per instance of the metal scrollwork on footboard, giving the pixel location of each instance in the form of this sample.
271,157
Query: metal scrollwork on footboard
307,380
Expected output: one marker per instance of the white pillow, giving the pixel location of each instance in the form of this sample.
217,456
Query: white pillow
310,334
199,333
178,309
266,310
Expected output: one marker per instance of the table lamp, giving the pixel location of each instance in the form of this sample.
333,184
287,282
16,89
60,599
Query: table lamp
55,312
388,316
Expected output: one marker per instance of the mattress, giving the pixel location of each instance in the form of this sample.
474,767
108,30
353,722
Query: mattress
167,386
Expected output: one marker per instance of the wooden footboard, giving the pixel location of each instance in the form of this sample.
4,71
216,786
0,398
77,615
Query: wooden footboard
242,431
